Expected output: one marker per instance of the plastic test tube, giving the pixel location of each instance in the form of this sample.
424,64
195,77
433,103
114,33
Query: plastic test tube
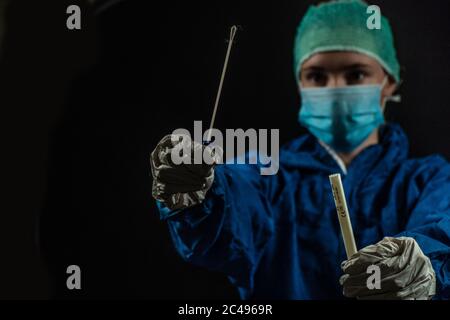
343,215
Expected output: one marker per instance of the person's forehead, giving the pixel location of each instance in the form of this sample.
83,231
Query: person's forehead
337,60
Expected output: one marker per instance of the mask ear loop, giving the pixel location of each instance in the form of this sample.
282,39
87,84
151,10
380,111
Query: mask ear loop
383,83
300,86
395,98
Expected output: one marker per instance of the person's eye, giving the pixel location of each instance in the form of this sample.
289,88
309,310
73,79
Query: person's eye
317,78
356,77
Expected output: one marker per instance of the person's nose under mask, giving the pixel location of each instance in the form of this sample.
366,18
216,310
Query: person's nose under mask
342,117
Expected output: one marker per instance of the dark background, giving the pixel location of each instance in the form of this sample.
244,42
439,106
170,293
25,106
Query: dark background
82,110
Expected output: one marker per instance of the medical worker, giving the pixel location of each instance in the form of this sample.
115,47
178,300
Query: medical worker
277,236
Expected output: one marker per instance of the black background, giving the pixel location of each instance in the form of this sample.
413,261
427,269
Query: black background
83,109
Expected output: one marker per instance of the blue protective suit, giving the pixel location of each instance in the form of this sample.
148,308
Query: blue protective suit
278,236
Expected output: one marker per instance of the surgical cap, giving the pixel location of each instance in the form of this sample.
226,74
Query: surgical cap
342,26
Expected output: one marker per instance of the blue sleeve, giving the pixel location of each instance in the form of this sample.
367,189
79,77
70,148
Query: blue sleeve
429,221
229,230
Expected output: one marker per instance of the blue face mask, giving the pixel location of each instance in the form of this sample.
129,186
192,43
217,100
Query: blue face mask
342,117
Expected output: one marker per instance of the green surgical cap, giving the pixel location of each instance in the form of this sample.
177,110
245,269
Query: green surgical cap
342,26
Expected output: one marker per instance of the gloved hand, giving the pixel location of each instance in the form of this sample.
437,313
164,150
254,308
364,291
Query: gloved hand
182,185
405,272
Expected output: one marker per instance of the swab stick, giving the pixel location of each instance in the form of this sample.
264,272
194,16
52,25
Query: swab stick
219,91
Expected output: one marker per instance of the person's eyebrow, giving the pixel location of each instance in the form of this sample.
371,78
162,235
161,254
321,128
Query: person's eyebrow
352,66
357,66
314,68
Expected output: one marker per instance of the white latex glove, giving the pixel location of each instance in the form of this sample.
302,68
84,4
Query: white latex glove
406,273
182,185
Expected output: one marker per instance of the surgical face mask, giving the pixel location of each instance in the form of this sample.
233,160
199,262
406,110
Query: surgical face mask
342,117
